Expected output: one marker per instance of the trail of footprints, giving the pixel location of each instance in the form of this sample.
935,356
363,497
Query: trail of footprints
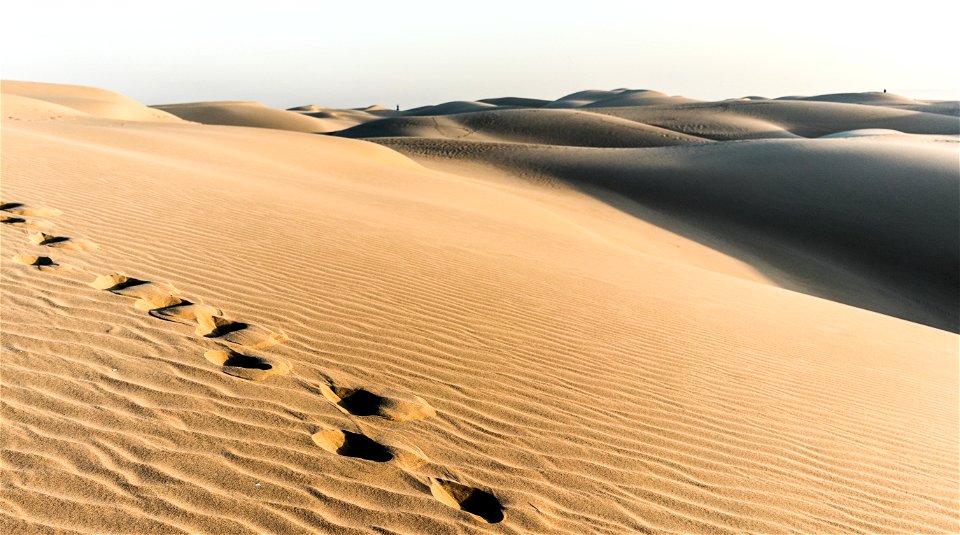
241,355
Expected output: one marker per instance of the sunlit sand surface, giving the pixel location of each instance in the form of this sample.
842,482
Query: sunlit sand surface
616,312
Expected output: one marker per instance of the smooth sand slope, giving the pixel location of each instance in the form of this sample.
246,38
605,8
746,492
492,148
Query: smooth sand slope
253,114
280,332
37,101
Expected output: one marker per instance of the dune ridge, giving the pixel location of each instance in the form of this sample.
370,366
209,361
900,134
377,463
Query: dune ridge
534,359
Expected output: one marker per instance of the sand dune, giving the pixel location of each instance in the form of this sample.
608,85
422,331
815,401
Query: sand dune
783,118
465,351
447,108
30,101
348,117
249,114
894,201
889,100
550,127
873,98
596,98
518,102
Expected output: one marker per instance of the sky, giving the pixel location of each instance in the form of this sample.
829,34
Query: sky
354,53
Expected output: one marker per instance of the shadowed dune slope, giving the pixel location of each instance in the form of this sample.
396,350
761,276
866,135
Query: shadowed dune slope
884,209
447,108
341,118
549,127
461,353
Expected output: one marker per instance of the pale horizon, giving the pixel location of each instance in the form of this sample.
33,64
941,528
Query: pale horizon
426,53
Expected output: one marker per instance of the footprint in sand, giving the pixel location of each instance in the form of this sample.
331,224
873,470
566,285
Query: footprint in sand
472,500
212,325
61,242
30,211
163,301
42,263
149,295
185,312
363,402
350,444
250,367
26,224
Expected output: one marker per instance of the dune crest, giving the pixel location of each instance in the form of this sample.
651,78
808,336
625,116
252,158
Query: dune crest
31,101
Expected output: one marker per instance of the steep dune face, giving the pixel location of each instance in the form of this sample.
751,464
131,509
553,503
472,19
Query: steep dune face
289,333
813,212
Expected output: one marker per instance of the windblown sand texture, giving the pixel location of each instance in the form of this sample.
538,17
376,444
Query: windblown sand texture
616,312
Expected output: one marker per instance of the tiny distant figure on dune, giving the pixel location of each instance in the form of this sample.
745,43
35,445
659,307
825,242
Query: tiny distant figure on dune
884,90
398,106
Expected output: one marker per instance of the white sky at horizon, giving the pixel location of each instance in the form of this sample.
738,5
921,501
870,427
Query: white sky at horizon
286,53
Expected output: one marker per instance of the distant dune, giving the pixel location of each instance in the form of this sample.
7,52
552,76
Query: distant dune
596,98
250,114
460,106
888,100
552,127
625,312
519,102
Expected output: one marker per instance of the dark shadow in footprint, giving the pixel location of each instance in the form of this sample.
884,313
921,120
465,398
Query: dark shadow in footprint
53,239
350,444
24,223
472,500
361,402
63,242
242,334
43,261
19,208
237,360
162,313
226,328
116,282
250,367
